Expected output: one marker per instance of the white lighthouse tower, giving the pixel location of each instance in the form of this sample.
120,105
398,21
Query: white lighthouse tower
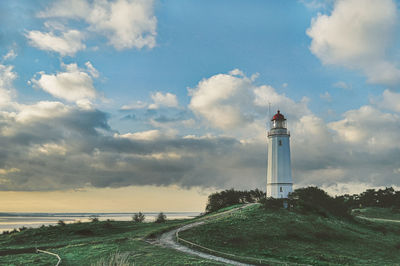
279,173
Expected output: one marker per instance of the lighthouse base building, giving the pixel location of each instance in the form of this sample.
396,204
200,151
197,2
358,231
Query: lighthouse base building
279,171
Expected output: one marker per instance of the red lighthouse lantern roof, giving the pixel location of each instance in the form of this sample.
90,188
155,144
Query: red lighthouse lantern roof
278,116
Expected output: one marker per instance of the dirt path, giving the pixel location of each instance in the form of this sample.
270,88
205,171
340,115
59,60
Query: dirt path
378,219
168,239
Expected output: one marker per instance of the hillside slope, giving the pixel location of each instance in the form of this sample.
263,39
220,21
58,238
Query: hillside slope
94,243
300,238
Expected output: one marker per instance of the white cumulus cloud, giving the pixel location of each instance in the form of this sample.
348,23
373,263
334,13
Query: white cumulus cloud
370,128
223,99
74,85
389,100
40,110
163,99
65,43
125,23
229,101
357,35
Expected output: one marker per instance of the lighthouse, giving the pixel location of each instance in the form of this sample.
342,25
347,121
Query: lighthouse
279,172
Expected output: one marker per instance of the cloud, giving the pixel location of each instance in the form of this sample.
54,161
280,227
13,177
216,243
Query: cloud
66,43
74,85
60,147
125,23
7,92
231,101
10,55
357,35
326,96
67,8
389,101
221,98
133,106
49,149
361,148
37,139
40,111
7,171
92,71
68,150
160,99
55,145
350,188
266,95
317,4
144,135
342,85
369,127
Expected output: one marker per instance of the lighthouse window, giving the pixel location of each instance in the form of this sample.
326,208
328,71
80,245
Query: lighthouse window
280,142
281,189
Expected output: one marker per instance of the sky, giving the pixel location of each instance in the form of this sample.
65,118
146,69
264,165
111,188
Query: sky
133,105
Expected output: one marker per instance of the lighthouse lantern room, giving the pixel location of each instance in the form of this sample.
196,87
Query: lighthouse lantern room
279,172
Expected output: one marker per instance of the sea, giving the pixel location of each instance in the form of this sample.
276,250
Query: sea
10,221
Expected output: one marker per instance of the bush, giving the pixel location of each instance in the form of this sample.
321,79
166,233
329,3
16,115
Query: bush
61,223
314,199
138,217
161,218
383,198
272,203
231,197
84,232
94,218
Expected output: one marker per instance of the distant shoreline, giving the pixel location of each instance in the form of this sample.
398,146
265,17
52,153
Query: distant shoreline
82,213
10,221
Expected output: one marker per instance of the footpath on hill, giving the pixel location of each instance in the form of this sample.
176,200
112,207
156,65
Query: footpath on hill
168,239
378,219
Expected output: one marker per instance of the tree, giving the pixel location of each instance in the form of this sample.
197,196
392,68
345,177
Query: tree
223,199
61,223
94,218
272,203
384,198
138,217
314,199
229,197
368,198
161,218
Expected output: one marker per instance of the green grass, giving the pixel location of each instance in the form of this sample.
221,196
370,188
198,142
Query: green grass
275,236
298,238
93,243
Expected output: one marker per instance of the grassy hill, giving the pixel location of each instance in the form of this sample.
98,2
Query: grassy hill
291,237
276,236
93,243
